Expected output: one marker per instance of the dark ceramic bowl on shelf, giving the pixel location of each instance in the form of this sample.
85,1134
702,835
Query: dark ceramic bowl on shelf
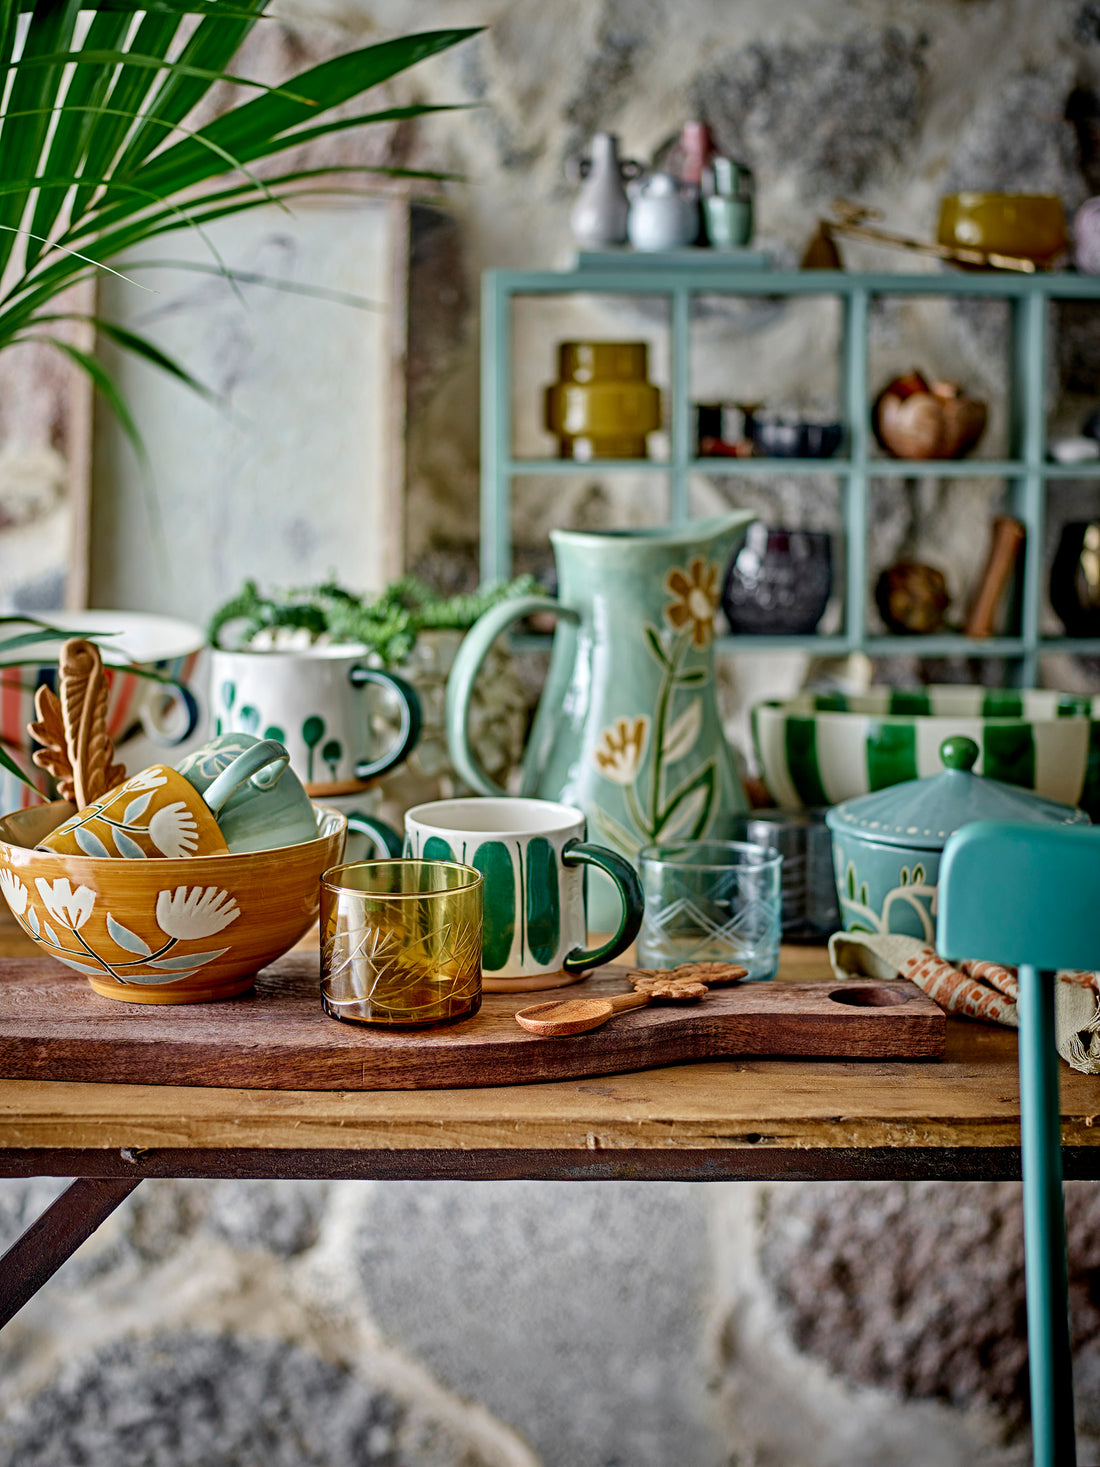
776,435
779,582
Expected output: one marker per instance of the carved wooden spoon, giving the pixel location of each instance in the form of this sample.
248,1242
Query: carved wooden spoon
575,1015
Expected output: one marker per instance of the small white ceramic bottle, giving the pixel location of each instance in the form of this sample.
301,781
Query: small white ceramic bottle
599,216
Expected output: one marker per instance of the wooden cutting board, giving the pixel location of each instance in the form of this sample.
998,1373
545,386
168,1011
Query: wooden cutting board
53,1027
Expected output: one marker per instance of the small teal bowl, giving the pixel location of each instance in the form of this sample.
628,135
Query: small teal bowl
887,846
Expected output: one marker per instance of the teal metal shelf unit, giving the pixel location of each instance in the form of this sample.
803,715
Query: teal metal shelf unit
680,280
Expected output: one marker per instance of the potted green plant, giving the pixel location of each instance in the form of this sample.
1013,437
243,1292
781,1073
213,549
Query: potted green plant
411,630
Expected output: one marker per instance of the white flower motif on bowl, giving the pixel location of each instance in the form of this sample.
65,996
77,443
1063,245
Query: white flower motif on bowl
190,912
71,908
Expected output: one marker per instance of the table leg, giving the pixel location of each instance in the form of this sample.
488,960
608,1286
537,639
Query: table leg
1049,1359
57,1233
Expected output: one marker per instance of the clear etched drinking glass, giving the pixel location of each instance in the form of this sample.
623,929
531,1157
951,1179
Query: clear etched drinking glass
711,901
401,942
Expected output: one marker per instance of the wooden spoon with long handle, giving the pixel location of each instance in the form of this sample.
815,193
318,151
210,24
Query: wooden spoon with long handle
575,1015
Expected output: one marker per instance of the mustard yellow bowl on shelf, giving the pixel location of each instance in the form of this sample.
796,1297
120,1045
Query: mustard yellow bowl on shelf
1031,226
174,931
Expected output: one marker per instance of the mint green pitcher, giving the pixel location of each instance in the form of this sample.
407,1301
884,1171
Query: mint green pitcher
627,728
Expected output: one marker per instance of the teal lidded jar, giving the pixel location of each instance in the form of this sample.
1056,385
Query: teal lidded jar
887,846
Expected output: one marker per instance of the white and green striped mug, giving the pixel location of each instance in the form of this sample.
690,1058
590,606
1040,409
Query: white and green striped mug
532,856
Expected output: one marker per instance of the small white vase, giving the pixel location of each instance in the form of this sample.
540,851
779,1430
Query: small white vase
599,216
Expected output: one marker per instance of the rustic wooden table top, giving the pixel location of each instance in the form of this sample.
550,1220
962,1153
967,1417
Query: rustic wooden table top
734,1118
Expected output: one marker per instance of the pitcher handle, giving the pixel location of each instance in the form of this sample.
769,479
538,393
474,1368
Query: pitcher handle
622,873
467,664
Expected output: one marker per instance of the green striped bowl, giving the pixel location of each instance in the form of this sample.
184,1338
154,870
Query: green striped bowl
819,748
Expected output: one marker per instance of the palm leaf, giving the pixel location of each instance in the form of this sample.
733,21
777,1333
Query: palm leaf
51,29
214,44
251,130
154,36
96,156
87,89
140,346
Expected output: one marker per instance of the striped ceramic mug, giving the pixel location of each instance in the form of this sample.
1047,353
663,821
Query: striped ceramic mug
532,855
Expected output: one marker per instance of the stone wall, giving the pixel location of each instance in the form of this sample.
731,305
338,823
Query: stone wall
464,1324
620,1325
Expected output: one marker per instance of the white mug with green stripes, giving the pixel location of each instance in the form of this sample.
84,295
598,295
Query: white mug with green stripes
532,856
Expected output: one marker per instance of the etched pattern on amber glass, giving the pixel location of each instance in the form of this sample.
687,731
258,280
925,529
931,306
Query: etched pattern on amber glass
400,962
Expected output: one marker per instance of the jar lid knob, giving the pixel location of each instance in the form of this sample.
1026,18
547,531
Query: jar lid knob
959,752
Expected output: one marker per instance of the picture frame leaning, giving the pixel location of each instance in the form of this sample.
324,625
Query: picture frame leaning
293,471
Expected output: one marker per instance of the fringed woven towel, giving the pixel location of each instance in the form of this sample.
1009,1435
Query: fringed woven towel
976,990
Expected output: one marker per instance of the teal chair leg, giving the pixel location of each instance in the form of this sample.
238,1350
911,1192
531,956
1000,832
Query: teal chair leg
1049,1357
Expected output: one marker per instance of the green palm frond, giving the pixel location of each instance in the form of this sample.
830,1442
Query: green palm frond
97,155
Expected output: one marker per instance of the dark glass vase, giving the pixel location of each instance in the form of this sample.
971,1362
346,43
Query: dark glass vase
779,582
1075,578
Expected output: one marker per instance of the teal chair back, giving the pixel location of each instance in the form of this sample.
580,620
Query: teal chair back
1029,896
1021,894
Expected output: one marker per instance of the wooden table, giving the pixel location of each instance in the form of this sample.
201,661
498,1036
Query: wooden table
711,1121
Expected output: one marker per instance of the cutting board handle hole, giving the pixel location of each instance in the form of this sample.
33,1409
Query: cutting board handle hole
867,998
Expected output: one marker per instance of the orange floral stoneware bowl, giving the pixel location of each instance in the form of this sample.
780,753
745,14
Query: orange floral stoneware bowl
185,930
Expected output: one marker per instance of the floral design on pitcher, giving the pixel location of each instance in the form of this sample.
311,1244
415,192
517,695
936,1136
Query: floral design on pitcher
695,600
621,750
184,915
654,811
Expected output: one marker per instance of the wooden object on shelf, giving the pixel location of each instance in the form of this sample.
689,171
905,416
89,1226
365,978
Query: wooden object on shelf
856,221
1005,545
578,1015
53,1026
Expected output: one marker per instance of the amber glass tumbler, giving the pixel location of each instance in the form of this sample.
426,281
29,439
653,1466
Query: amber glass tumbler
401,942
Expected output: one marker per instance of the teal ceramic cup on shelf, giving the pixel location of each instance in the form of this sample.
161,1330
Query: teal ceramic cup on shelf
532,856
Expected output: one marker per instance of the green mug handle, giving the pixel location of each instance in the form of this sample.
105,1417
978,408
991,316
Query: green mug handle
252,764
467,664
387,840
407,734
622,873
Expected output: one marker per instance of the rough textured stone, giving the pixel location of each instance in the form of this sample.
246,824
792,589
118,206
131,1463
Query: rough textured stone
919,1286
605,79
282,1217
573,1311
215,1401
1018,138
837,112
